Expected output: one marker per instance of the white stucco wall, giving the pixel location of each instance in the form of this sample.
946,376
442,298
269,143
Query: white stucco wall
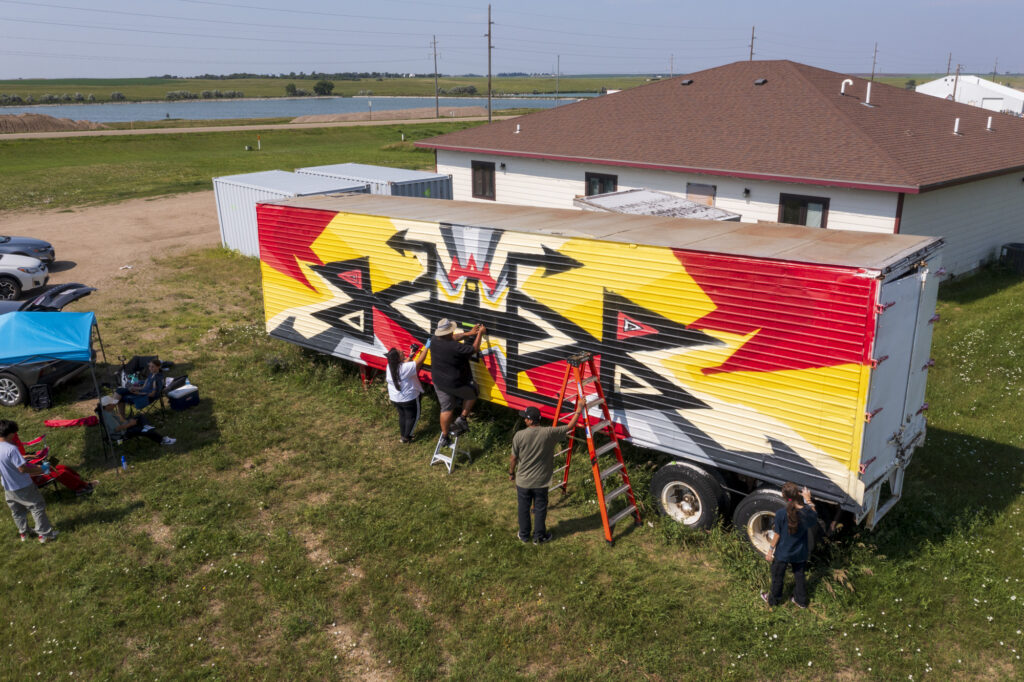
977,92
553,184
975,219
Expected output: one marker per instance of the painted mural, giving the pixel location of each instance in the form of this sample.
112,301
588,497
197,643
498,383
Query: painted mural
758,365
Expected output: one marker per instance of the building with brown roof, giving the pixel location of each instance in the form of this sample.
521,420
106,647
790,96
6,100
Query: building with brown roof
772,141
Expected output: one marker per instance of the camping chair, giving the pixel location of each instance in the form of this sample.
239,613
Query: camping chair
36,459
134,370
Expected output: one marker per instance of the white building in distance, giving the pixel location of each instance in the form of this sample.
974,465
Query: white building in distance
977,92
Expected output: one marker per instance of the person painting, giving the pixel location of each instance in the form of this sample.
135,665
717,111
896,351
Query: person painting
452,377
789,544
404,389
533,452
21,493
147,392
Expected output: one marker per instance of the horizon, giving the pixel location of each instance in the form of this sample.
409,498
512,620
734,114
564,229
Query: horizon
63,39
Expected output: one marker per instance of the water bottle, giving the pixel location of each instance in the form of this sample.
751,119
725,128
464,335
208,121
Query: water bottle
187,382
45,466
124,463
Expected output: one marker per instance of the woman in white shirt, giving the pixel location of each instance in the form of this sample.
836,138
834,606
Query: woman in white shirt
404,389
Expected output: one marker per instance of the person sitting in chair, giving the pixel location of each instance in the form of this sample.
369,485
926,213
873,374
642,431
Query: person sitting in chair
143,394
53,470
119,427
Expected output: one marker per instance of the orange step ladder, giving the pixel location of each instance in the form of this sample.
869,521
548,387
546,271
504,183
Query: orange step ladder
581,374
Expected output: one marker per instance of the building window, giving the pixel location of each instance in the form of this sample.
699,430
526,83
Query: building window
701,194
600,183
483,180
796,209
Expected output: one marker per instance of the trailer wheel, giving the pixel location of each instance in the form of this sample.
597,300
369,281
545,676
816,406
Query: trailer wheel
755,516
687,494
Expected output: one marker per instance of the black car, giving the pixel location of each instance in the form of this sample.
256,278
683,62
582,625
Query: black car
26,246
15,379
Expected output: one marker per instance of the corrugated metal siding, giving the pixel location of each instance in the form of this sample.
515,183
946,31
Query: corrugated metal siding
388,181
237,196
755,366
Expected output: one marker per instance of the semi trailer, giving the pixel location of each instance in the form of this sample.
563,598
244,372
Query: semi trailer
749,354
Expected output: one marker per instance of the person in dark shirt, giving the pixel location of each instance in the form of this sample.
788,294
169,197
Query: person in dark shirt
789,544
452,377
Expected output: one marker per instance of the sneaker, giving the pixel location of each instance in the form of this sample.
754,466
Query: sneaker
168,441
445,441
23,536
147,428
764,597
52,535
793,599
518,537
541,540
462,422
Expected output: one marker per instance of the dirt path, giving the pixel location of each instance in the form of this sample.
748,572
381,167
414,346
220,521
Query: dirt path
222,129
93,243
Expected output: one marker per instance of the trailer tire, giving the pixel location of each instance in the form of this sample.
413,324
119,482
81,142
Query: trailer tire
687,494
755,516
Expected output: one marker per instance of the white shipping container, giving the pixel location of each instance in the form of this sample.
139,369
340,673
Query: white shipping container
237,196
398,182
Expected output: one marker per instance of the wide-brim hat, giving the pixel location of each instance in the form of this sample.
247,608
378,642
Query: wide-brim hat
445,327
110,400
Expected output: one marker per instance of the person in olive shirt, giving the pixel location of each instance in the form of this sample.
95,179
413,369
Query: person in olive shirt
533,451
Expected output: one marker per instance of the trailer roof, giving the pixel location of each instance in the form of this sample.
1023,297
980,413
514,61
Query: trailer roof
777,241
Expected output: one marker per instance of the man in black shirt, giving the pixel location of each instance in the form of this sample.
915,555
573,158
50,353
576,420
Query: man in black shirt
450,372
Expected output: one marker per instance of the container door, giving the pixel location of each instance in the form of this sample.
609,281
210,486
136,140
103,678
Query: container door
914,417
887,392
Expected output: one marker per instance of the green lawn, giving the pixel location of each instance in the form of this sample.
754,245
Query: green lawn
135,89
289,534
40,173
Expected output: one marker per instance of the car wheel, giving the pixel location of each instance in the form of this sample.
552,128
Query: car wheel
10,289
12,390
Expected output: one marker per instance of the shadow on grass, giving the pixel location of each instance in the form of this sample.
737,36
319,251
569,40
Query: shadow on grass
100,515
982,284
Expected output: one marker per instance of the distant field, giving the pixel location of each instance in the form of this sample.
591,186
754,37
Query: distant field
135,89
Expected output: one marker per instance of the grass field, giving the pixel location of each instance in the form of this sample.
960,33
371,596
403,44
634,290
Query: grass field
83,170
135,89
289,534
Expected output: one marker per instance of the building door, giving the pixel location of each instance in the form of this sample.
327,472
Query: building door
701,194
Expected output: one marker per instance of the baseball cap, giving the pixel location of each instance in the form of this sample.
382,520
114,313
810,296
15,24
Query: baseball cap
531,413
110,400
445,327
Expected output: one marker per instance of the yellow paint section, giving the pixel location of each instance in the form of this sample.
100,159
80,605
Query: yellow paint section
822,406
652,278
350,236
525,383
485,382
281,292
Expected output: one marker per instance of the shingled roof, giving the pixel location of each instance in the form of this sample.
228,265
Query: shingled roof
795,127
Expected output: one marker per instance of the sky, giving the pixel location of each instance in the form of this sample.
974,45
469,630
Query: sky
136,38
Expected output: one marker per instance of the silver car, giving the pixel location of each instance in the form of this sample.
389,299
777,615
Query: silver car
20,273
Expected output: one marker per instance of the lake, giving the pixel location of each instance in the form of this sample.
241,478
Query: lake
110,112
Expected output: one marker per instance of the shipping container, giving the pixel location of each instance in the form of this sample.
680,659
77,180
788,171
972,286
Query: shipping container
749,353
237,196
398,182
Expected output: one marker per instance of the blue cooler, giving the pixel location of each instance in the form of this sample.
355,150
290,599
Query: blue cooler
184,397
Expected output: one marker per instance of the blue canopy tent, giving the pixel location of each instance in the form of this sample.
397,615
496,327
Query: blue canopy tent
38,336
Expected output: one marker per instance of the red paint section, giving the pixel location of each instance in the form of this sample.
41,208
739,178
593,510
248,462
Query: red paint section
353,277
473,271
629,328
805,316
286,236
374,361
391,334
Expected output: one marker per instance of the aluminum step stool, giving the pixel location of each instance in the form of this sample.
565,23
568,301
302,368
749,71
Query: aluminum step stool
453,451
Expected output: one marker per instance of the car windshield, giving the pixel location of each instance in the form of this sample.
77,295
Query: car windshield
4,240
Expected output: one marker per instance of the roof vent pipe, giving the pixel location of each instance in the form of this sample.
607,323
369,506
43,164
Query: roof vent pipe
517,128
989,126
842,89
867,99
956,126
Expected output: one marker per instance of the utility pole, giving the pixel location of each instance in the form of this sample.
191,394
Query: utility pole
955,81
558,72
437,106
489,48
874,59
995,68
671,65
751,43
949,63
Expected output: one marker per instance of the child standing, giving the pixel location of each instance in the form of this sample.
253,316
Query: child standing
789,544
20,492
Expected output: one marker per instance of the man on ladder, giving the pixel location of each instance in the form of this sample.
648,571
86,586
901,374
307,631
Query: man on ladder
533,451
452,377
